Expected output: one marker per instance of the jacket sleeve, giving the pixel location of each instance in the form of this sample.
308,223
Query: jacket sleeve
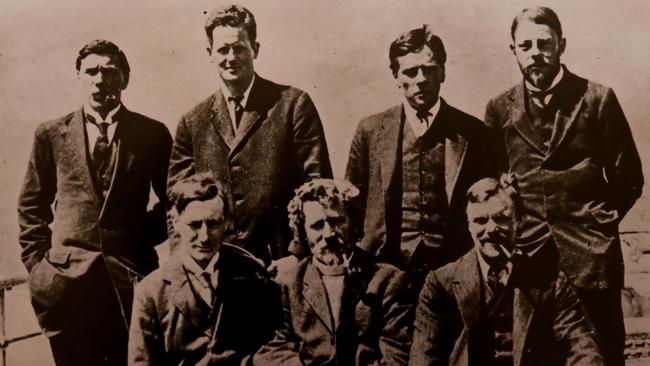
310,149
145,345
429,326
395,338
35,201
181,165
357,170
157,217
622,162
309,141
573,330
283,348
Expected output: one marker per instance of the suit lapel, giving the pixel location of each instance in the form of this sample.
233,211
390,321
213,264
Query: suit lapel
523,311
221,120
77,154
571,103
521,122
455,150
189,305
389,144
253,111
355,285
315,295
467,288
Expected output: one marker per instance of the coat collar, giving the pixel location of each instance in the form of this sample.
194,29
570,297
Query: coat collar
78,151
390,136
570,100
355,285
254,110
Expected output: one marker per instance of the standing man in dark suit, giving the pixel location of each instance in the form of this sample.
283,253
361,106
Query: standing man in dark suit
500,304
569,142
212,303
96,166
340,306
261,140
414,162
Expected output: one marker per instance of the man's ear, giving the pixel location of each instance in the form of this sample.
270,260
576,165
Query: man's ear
512,48
256,49
562,45
442,74
173,213
209,50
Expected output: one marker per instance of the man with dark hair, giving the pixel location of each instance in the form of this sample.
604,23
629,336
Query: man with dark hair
97,166
212,303
568,140
500,304
261,140
414,162
340,305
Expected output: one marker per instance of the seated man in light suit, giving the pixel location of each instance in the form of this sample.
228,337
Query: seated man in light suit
340,306
498,305
212,303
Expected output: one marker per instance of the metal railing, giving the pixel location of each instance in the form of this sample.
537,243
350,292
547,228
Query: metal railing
6,285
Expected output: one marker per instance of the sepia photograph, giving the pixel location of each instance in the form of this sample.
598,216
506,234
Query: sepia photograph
324,182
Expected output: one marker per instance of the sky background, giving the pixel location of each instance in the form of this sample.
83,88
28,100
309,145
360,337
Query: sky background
336,51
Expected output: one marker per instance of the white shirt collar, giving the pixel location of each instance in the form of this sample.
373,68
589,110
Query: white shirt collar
418,127
192,266
556,81
226,93
88,111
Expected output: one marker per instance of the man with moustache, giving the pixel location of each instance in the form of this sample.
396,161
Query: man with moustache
569,142
340,306
85,230
261,140
212,303
414,162
500,304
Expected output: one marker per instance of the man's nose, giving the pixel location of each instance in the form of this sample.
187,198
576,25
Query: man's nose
420,77
231,54
328,231
203,233
491,226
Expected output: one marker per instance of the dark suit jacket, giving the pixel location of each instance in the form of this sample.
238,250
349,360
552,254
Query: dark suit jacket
118,234
549,324
374,325
374,166
279,146
172,325
584,184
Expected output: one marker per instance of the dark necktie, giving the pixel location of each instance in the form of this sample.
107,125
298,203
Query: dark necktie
423,116
539,97
101,154
494,277
239,109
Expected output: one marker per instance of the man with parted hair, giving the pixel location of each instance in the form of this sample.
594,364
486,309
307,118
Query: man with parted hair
261,140
212,303
86,233
414,162
568,140
501,303
340,306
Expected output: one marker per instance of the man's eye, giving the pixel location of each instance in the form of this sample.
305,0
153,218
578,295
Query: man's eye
317,225
195,225
410,72
223,50
525,45
480,220
214,222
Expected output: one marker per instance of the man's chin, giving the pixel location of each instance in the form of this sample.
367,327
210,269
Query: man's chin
330,259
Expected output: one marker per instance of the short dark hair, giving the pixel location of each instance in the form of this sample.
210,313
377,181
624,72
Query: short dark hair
538,15
324,191
197,187
104,47
487,188
413,41
233,16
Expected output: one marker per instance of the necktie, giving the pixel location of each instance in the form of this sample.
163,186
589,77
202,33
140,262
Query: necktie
207,278
101,155
239,109
423,116
494,277
540,97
